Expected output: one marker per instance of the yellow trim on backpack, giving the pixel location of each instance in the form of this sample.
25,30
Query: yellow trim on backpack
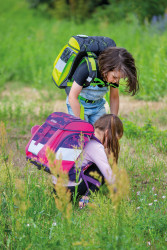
73,43
57,58
93,63
56,75
81,111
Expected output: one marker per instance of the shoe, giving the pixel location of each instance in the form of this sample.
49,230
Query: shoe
83,201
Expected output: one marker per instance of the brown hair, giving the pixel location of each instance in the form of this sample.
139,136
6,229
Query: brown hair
113,58
112,127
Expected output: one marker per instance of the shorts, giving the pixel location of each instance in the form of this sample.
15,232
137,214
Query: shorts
92,111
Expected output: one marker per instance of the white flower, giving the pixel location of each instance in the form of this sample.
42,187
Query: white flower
155,194
150,204
138,208
54,224
155,200
138,193
149,243
28,225
163,197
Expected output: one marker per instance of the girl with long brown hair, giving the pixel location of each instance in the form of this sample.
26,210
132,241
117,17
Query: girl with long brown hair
108,131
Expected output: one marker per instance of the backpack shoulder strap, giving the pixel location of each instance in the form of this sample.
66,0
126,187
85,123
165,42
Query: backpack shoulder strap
92,68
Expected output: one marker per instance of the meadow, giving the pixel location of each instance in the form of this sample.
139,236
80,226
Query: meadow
30,217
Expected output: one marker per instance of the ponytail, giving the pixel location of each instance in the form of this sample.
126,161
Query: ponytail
112,127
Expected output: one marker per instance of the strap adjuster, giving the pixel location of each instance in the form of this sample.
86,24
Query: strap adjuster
86,100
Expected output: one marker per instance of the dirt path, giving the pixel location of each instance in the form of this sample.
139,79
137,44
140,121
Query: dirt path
31,95
129,107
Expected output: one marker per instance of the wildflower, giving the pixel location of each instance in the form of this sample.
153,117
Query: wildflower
28,225
54,224
155,194
155,200
138,193
149,243
138,208
150,204
163,197
153,188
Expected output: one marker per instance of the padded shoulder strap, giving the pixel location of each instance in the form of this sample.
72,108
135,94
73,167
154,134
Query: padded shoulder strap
91,63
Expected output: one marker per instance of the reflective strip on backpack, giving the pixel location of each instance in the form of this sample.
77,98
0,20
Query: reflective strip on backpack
60,65
34,149
89,79
68,154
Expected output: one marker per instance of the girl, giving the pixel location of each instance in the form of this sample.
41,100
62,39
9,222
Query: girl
108,131
112,65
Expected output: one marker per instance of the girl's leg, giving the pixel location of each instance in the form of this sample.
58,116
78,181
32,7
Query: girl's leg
82,188
70,112
93,168
92,187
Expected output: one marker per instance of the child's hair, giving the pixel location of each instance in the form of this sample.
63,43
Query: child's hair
113,58
112,127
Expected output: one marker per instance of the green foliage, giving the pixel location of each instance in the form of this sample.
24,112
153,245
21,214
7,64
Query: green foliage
28,214
36,3
150,134
61,10
148,9
29,217
113,10
30,44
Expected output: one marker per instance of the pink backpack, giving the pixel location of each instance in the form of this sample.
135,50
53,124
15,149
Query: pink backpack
61,133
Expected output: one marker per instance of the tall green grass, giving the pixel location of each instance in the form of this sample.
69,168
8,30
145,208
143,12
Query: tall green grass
31,40
29,217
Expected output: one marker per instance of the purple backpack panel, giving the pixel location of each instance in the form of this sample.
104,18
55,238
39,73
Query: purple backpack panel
61,132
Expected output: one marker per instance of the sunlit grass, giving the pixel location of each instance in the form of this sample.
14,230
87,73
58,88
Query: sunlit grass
31,41
29,212
29,216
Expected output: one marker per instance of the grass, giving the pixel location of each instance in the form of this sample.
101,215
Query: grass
29,217
30,42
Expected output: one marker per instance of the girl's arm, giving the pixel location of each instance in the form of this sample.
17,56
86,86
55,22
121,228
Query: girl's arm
94,152
73,98
114,100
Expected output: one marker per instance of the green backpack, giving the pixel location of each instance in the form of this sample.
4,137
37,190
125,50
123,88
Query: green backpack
78,48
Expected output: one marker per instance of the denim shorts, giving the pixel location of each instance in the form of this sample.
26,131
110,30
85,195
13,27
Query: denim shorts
92,111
